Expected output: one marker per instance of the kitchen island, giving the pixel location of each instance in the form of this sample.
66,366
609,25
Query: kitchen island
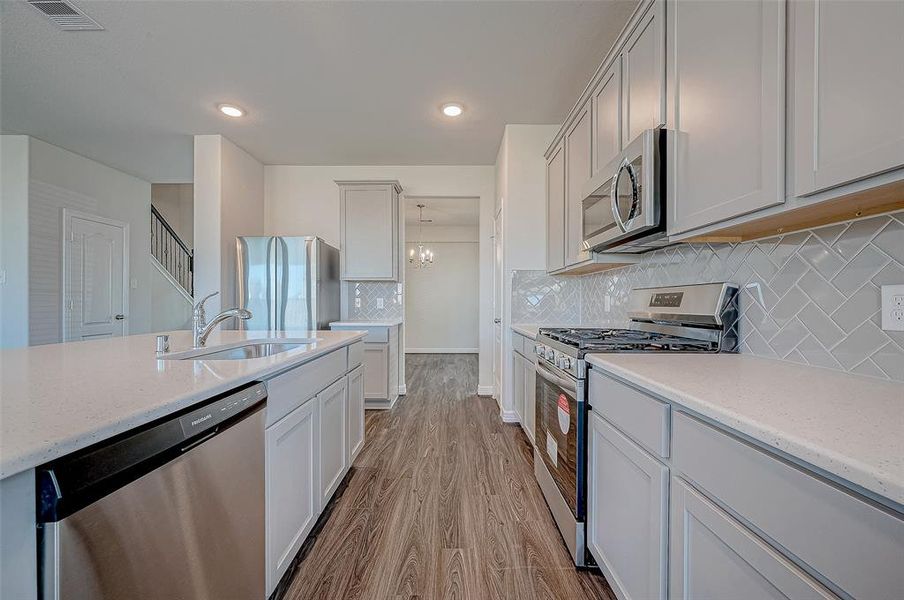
58,399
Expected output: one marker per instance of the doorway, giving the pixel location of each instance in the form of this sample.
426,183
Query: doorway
95,276
442,275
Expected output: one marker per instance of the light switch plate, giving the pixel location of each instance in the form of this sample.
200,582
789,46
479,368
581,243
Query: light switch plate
893,307
379,302
2,276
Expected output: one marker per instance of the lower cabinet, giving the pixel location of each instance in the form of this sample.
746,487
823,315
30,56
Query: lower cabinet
627,516
524,384
714,556
518,381
333,411
292,486
530,401
355,433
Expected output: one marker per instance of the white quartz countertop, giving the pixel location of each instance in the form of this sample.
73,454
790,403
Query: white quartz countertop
59,398
388,323
526,329
847,425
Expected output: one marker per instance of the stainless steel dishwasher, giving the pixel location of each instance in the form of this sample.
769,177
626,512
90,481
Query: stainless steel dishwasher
173,510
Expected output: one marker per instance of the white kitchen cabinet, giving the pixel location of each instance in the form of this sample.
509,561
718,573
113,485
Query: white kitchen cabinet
332,408
643,74
627,516
555,209
846,89
355,433
293,497
714,556
376,371
530,400
369,230
606,107
518,382
578,142
726,105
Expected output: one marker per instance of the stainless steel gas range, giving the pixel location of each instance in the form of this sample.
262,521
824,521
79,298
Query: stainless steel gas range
691,318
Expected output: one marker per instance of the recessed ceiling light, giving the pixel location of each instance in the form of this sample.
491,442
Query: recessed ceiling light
452,109
231,110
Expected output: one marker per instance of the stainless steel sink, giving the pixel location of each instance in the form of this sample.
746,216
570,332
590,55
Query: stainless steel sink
244,351
249,351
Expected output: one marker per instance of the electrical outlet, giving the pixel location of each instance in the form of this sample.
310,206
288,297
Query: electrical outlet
2,276
357,302
379,302
607,301
893,307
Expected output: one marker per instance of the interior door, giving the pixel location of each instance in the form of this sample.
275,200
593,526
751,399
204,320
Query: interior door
497,304
95,294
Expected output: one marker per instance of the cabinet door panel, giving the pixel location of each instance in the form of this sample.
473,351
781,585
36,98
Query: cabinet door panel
555,209
726,107
333,410
376,371
577,169
847,87
714,556
627,520
369,238
644,74
355,413
292,497
518,386
530,403
607,117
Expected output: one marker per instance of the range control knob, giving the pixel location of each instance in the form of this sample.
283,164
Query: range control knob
538,349
566,363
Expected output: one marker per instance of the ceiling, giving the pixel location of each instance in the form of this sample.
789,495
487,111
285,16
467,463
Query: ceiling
444,211
324,83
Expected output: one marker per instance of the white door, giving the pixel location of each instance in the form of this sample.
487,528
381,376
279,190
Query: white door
497,304
96,265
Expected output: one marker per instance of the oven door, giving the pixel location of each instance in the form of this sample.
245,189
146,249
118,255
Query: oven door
561,433
624,201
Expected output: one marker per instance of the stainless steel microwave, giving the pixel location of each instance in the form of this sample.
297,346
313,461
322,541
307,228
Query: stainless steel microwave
624,206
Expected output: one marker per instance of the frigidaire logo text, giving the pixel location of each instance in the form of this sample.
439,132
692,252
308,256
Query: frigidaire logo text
201,420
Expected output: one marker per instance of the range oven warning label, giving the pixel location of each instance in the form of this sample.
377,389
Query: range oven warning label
564,414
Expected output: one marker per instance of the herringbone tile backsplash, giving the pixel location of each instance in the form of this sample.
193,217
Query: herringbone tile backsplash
809,297
369,293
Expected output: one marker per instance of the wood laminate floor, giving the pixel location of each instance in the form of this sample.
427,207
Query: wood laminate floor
441,503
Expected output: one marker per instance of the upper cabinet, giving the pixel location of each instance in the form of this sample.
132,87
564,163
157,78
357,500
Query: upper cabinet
725,76
643,68
607,119
577,172
555,209
369,229
846,90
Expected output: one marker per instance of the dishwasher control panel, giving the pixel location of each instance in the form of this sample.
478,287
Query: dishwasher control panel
215,413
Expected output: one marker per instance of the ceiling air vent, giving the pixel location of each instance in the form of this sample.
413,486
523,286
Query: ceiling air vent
66,15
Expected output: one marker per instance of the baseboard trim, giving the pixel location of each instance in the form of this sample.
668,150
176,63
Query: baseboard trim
486,390
379,403
403,389
442,350
509,416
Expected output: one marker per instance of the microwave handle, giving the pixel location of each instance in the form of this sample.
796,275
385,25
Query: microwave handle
625,166
551,377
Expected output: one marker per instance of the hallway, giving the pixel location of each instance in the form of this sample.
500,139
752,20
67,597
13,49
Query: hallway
441,503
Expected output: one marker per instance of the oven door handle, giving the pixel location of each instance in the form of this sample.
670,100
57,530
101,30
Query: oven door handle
551,377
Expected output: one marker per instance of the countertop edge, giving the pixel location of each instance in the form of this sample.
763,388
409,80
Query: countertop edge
872,478
29,460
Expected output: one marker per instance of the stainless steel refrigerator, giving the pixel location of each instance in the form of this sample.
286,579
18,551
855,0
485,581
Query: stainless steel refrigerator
288,283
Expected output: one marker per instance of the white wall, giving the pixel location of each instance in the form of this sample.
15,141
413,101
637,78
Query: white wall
175,201
60,178
304,200
170,306
228,202
521,185
14,241
442,301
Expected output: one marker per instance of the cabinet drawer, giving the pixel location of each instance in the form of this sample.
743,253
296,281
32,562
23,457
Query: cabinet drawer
290,390
355,355
644,419
850,542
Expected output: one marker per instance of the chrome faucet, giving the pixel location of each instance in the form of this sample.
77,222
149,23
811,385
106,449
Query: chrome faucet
201,328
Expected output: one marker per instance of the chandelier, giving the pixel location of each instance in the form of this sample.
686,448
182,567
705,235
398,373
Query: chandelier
421,257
